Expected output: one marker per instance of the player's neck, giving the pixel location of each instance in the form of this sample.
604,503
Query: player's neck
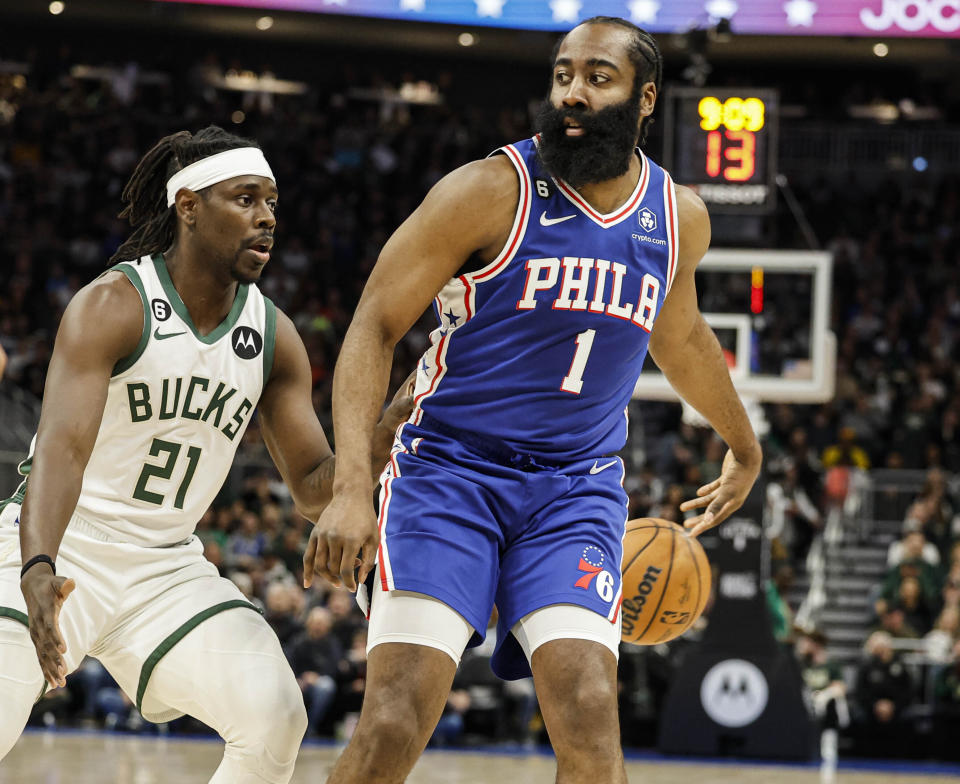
207,292
606,196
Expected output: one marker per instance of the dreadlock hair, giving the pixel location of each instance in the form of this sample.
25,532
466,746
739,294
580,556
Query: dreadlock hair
145,194
644,54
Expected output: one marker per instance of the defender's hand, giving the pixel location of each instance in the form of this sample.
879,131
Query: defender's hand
45,594
400,407
346,528
723,496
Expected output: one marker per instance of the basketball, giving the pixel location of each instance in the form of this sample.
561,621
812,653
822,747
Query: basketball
666,581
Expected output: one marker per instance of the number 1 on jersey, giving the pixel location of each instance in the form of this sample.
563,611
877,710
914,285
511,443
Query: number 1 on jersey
573,382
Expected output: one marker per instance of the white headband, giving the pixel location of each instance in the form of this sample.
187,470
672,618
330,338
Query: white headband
217,168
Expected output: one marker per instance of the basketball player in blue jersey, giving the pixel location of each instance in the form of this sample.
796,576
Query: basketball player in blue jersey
553,266
155,373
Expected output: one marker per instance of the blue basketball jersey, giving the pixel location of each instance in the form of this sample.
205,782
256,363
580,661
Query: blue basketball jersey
542,347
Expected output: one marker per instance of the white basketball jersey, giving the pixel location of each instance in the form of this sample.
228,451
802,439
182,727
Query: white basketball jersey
176,410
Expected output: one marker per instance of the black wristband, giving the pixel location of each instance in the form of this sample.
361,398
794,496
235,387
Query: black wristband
34,561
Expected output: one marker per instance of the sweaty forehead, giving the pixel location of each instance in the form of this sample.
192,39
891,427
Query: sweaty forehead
597,42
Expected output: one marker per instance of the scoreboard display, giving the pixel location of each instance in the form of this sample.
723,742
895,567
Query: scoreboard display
723,144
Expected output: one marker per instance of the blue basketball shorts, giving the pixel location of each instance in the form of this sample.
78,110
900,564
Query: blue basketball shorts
474,530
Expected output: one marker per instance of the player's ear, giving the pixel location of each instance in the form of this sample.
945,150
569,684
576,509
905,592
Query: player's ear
186,205
648,99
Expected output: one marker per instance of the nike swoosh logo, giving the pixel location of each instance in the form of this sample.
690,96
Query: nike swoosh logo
597,469
545,221
161,336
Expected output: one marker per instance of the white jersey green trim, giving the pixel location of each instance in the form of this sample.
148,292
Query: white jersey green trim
24,470
127,362
270,339
21,617
175,412
174,637
181,310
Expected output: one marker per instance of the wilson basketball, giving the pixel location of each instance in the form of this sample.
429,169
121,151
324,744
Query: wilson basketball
666,581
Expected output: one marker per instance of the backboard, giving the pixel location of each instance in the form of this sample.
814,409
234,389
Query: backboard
770,310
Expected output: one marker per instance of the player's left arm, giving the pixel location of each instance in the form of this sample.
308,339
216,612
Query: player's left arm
686,350
295,437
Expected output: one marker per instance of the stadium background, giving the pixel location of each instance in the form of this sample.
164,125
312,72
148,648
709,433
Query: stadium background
370,113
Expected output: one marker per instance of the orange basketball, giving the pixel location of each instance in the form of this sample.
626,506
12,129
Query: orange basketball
666,581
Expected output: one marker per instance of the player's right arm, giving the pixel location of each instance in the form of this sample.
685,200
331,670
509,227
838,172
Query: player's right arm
101,325
470,211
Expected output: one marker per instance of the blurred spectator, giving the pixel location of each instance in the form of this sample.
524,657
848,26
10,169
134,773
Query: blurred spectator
913,546
893,622
247,544
281,614
351,682
314,656
244,582
645,489
805,460
793,518
917,613
911,565
213,553
288,548
347,620
821,675
669,506
940,640
827,691
450,727
780,613
846,452
937,514
883,691
946,722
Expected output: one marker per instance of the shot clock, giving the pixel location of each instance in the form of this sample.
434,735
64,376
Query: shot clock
723,143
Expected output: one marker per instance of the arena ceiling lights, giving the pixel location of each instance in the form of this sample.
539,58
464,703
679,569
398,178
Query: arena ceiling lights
913,18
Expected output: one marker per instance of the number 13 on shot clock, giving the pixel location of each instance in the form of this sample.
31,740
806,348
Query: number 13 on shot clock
724,144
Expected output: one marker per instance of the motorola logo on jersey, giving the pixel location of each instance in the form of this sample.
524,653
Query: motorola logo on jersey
648,219
161,309
734,693
247,342
913,15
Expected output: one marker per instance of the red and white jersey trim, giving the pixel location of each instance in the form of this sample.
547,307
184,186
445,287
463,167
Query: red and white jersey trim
390,473
455,307
457,303
520,219
622,212
614,615
673,231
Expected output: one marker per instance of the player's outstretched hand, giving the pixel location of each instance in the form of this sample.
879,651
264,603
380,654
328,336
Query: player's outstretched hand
346,529
45,594
724,495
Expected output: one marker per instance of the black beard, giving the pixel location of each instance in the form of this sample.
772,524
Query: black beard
604,150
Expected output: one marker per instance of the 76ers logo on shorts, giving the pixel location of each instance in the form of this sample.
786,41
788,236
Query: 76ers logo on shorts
591,564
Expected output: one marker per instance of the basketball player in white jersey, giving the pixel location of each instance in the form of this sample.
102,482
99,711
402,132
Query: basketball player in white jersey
157,368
